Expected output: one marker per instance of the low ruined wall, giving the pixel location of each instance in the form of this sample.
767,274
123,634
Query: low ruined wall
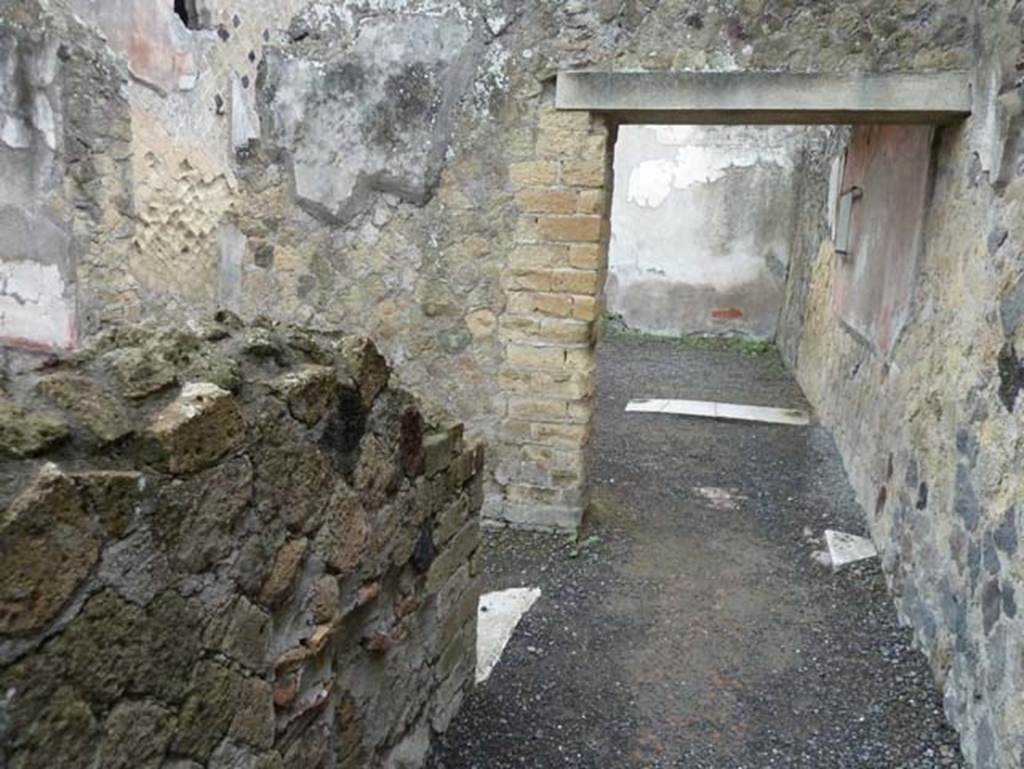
910,349
701,223
231,546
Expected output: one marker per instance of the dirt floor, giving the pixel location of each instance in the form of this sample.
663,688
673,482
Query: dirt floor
693,628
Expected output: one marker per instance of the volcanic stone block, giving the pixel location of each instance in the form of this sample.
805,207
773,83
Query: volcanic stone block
286,567
114,495
308,392
48,546
343,540
85,400
197,517
138,736
26,434
199,427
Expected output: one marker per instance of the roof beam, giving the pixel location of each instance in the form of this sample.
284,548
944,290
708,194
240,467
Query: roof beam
744,98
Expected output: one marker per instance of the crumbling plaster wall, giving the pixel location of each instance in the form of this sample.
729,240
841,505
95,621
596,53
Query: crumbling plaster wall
930,425
701,222
65,147
452,216
231,546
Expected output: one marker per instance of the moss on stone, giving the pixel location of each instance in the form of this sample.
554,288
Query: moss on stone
26,433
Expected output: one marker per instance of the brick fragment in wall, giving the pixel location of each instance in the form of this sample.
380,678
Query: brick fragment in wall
242,491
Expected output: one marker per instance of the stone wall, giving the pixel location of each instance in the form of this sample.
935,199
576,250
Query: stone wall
231,546
259,158
920,381
701,222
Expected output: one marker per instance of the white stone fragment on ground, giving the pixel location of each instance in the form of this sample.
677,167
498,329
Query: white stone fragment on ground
720,498
846,548
714,410
497,617
822,557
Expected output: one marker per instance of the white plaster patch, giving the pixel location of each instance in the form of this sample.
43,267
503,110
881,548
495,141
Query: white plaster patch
244,120
42,116
677,134
15,133
846,548
493,78
497,617
496,21
232,245
650,183
33,307
200,391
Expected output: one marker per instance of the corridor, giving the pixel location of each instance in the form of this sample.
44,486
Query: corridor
693,627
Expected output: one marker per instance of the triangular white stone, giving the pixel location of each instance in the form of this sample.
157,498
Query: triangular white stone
846,548
497,617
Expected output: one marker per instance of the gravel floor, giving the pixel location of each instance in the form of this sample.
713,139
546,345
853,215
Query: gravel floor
694,629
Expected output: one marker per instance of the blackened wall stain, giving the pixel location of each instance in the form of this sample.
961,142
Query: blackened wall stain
922,496
344,430
1011,376
425,552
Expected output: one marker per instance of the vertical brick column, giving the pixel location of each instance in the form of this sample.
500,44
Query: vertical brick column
553,283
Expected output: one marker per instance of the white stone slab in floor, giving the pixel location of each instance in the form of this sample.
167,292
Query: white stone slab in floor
497,617
846,548
715,410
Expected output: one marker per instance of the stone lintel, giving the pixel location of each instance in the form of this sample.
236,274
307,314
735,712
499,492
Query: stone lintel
743,98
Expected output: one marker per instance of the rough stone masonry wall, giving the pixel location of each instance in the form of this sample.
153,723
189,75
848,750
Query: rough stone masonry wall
932,431
369,165
230,546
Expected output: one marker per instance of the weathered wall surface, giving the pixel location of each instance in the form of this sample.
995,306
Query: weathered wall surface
231,546
887,172
701,223
246,181
922,389
65,145
36,266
